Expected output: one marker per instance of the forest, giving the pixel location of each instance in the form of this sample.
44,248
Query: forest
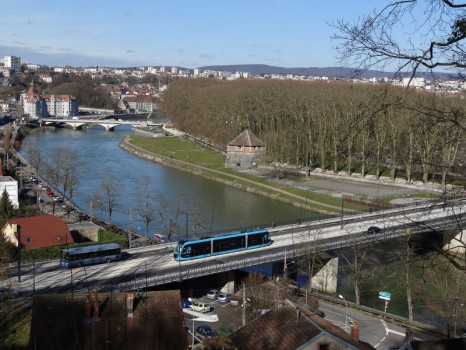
337,126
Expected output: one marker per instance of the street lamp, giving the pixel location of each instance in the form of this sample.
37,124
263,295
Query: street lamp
346,311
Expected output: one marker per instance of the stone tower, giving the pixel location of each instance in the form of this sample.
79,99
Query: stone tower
245,151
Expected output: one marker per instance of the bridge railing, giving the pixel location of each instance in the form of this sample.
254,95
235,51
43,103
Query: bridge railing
329,244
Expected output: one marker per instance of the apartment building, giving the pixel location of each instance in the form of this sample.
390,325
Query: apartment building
39,106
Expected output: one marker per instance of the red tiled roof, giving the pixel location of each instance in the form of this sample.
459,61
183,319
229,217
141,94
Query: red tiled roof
286,328
42,231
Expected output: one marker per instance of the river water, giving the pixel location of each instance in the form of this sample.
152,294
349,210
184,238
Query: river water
221,207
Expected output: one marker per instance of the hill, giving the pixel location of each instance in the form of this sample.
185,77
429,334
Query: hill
334,72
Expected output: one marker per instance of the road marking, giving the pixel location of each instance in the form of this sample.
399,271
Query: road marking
381,341
388,330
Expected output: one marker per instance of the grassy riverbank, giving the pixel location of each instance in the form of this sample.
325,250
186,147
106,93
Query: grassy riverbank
189,156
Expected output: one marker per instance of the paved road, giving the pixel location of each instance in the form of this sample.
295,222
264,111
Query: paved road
372,329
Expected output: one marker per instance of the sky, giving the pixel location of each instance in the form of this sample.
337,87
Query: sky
183,33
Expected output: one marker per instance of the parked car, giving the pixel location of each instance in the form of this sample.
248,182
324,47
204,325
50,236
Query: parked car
33,179
204,331
186,303
373,230
159,238
200,307
224,297
212,294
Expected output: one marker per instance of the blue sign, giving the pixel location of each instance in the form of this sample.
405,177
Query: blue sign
384,295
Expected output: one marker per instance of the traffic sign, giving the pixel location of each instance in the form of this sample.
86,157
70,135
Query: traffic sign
384,295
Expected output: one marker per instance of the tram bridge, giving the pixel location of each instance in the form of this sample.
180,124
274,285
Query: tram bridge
435,221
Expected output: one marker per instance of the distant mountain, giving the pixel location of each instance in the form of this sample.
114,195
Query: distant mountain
331,72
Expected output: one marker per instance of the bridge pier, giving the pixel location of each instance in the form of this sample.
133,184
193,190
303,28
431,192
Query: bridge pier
454,241
325,280
109,127
229,286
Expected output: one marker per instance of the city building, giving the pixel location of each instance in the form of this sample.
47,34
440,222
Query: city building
11,62
138,104
40,106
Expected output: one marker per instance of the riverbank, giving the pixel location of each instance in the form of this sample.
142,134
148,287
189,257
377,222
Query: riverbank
322,192
244,182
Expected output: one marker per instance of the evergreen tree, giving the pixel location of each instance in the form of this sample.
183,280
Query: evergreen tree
6,208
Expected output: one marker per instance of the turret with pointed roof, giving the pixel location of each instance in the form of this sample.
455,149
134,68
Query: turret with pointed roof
245,151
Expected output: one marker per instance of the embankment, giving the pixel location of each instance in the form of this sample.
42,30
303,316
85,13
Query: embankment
229,179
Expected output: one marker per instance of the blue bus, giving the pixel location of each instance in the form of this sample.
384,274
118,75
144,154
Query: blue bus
95,254
201,248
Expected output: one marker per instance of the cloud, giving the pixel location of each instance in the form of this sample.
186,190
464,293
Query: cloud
206,56
129,51
45,57
180,51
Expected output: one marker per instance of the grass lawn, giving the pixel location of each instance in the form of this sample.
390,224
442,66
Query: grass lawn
193,153
180,149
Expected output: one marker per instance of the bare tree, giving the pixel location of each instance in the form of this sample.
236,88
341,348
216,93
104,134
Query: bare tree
412,34
35,156
356,256
110,189
53,166
413,285
146,203
451,284
69,171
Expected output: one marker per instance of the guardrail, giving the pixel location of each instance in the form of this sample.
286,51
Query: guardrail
385,315
329,244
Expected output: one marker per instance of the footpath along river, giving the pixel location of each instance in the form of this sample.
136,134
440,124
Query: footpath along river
221,207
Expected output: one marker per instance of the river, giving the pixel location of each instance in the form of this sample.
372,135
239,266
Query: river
221,207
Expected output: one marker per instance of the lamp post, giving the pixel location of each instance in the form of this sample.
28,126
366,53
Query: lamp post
346,311
212,218
90,210
342,201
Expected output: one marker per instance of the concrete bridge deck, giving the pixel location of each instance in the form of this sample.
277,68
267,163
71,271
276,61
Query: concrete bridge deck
108,124
158,267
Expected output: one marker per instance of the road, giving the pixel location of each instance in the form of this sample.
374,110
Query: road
372,329
157,265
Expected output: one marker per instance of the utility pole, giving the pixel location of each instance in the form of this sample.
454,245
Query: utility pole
129,229
19,253
243,318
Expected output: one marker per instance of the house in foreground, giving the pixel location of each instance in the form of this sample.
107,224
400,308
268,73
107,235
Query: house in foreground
288,327
37,232
152,320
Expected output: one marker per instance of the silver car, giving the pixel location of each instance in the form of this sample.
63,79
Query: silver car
224,297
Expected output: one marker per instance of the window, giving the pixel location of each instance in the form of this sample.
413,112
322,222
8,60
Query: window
28,239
